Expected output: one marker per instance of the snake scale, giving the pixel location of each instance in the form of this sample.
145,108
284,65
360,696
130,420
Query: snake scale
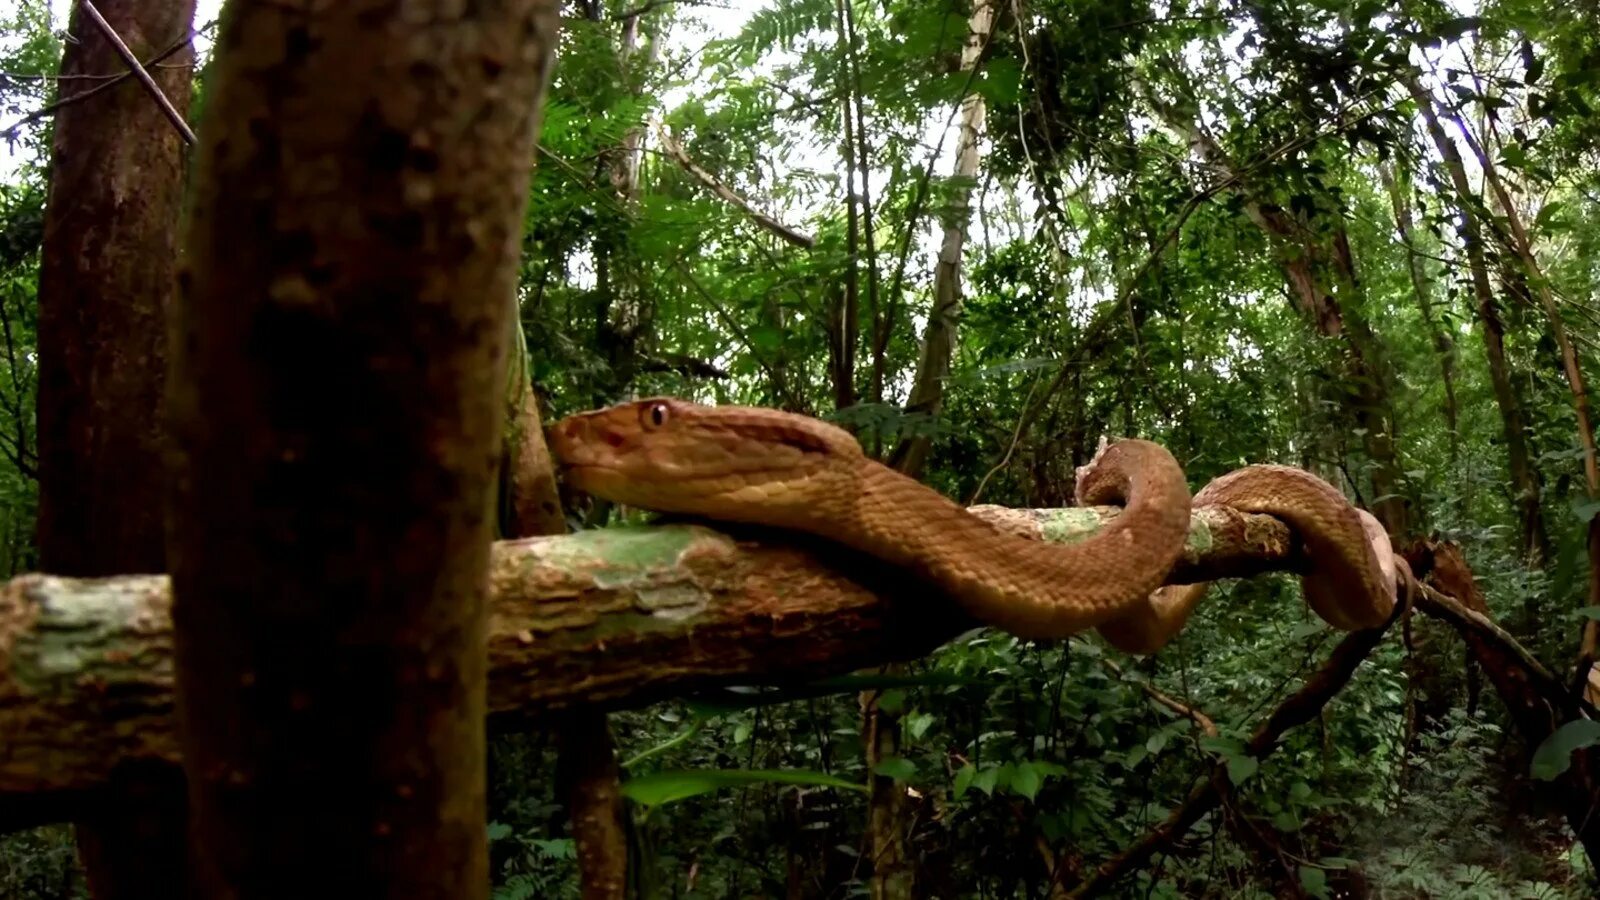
766,467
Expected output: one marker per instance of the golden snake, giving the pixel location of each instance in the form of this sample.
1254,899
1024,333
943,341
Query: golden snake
765,467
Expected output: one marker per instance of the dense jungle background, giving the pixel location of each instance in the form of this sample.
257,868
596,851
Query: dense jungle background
1357,237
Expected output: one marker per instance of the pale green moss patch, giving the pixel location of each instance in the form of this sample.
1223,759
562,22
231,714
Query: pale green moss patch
617,557
85,626
1200,537
1070,525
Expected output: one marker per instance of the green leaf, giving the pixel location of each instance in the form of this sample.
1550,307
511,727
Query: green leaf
499,831
897,767
661,788
1222,745
1241,767
1554,755
892,702
1585,509
1314,881
1026,780
963,780
1137,755
918,724
1590,612
1306,629
985,780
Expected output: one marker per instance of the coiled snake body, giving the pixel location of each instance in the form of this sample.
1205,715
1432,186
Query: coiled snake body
762,466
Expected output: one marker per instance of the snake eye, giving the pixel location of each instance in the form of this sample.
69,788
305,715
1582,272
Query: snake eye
654,416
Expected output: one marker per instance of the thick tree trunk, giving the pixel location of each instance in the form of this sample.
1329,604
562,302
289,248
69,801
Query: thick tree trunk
338,356
106,273
1534,539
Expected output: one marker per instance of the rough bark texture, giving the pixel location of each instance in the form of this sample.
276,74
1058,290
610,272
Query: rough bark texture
612,618
107,271
1525,481
338,356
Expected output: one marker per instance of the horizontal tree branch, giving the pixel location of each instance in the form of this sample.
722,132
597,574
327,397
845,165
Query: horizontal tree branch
716,186
613,618
616,617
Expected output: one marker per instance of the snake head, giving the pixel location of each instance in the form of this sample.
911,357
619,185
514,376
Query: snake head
728,462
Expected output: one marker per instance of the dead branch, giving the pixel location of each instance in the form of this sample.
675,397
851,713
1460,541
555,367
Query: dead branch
107,84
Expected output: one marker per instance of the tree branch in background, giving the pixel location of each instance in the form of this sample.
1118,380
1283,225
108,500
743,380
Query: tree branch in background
685,365
712,183
1302,706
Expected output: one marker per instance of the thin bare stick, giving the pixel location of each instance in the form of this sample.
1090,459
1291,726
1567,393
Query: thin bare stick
139,72
107,82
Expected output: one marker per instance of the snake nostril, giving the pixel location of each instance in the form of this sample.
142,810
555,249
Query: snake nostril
612,437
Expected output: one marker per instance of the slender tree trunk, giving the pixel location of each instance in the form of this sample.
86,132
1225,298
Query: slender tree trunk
338,363
894,872
1443,346
939,337
1520,247
625,316
1320,273
107,270
856,105
1534,539
847,300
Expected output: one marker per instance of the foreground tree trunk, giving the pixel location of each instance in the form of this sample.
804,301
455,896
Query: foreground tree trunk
107,269
338,357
